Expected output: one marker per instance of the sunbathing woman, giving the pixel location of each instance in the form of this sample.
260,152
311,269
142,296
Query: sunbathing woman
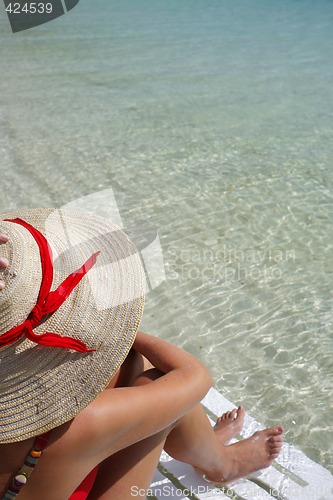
76,372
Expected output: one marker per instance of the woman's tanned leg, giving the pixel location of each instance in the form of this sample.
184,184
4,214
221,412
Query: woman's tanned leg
130,471
191,439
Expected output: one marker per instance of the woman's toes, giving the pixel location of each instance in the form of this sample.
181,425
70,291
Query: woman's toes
224,417
3,238
241,412
273,432
233,414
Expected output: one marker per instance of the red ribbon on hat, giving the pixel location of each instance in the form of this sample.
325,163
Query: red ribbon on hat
48,302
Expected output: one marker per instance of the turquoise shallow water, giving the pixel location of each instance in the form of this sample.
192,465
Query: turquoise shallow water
212,123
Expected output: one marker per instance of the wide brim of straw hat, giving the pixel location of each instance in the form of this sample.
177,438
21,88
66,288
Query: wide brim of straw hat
44,387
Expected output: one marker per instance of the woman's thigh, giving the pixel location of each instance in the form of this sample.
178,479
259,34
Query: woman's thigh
129,472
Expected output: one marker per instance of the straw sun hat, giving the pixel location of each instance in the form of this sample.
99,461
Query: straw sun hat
61,345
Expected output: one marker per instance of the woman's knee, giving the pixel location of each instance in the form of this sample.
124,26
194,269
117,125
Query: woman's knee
147,376
130,369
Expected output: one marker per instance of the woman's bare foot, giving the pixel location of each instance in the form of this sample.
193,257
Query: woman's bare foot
247,456
229,424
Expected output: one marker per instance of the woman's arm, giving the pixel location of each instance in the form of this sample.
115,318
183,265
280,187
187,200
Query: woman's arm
165,356
191,377
122,416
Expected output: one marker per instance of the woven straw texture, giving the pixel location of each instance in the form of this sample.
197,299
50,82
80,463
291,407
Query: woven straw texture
43,387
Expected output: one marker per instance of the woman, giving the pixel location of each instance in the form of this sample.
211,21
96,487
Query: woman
75,371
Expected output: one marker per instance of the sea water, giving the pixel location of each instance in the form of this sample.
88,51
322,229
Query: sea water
212,123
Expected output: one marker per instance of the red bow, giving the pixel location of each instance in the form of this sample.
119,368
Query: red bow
48,301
